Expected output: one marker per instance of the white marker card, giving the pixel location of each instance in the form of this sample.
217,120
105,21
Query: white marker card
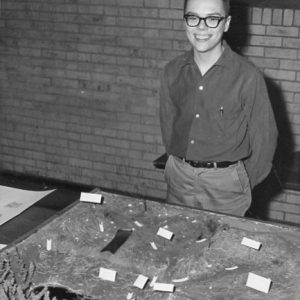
201,241
232,268
129,296
153,245
107,274
165,233
163,287
2,246
141,281
49,244
153,281
259,283
251,243
181,279
101,227
91,197
138,224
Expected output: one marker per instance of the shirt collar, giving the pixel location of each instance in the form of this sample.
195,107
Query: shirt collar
224,59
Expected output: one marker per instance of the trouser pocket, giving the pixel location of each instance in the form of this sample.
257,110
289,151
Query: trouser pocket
240,177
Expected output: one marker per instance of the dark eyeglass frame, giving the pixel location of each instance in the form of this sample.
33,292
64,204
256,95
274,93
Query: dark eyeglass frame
220,19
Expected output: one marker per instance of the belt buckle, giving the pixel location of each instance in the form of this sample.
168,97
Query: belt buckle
211,164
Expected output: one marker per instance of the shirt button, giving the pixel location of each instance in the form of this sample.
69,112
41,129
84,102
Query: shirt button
197,116
201,87
192,142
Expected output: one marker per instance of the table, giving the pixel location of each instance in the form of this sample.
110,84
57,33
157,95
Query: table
204,260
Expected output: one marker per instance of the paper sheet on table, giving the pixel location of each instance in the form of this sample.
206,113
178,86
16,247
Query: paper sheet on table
14,201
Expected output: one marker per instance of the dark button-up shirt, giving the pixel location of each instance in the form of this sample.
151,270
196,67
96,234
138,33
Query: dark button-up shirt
224,115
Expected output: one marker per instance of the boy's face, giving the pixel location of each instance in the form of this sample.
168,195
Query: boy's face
203,38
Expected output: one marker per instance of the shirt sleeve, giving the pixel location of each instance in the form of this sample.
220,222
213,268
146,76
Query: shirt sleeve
167,111
262,130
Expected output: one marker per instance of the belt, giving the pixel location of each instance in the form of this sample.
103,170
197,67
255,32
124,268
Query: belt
208,165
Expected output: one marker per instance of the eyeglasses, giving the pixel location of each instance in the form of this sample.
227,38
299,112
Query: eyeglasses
211,21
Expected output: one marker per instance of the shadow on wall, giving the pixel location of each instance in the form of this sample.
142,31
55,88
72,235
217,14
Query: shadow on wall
237,38
237,35
275,182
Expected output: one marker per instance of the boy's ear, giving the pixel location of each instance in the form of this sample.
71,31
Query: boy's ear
227,23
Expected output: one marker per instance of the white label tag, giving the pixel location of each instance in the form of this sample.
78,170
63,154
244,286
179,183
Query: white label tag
181,279
153,281
101,227
251,243
141,281
259,283
165,233
107,274
138,224
49,244
201,241
129,296
232,268
90,197
153,245
163,287
2,246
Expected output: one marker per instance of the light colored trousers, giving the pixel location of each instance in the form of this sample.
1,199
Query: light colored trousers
225,190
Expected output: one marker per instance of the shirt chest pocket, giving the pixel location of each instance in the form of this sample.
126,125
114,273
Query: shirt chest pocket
228,121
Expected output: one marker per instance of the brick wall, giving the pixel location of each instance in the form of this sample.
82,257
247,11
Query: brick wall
79,86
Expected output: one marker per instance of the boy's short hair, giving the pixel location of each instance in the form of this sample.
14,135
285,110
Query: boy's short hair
226,4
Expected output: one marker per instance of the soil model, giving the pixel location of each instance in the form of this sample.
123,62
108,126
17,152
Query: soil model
128,248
